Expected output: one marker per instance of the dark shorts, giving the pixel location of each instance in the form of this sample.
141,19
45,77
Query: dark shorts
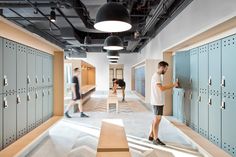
158,110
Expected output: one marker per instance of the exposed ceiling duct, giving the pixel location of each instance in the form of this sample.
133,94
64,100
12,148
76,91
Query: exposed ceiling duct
75,19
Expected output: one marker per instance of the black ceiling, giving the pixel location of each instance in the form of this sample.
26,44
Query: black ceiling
75,18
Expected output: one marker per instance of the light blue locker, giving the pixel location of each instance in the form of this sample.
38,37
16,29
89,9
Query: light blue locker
215,118
39,106
21,68
1,121
31,67
39,69
9,119
194,88
214,80
45,104
228,64
21,116
50,99
203,90
181,114
175,103
9,66
50,79
31,109
45,70
1,67
228,126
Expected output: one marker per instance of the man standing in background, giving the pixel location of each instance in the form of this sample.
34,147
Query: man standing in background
75,95
121,83
157,100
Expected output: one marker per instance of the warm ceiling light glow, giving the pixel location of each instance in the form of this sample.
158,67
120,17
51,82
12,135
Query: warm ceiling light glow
112,17
113,43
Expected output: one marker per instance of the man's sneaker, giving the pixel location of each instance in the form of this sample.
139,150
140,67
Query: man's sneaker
150,138
67,115
158,142
84,115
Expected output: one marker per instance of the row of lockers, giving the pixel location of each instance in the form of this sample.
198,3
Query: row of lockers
22,112
211,92
26,90
31,67
139,80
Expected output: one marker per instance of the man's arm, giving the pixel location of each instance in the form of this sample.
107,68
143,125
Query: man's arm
166,87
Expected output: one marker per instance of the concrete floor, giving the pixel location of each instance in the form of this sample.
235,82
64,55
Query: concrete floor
78,137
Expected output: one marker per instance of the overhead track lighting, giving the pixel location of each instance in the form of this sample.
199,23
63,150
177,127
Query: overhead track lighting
113,43
53,16
113,54
112,17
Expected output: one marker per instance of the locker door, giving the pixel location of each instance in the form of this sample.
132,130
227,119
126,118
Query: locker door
215,66
45,71
39,69
9,66
31,67
50,71
1,66
228,62
203,90
187,110
194,88
228,125
50,105
182,70
175,102
181,105
215,118
9,119
45,104
1,121
21,68
31,109
39,106
21,108
203,113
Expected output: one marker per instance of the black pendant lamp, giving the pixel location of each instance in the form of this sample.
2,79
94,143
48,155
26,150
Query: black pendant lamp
53,16
113,43
113,62
112,17
113,54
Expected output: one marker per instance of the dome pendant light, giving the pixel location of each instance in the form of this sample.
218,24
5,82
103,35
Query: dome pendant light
113,54
113,43
112,17
53,16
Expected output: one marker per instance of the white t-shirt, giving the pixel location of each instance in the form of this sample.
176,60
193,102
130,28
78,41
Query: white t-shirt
157,96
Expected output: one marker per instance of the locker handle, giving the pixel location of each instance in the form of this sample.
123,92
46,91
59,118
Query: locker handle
28,97
5,82
223,105
18,101
223,82
48,92
28,79
199,98
36,95
5,105
190,96
209,81
36,79
190,80
43,93
209,102
43,79
48,79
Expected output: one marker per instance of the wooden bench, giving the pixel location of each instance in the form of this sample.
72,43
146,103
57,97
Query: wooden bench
112,140
112,99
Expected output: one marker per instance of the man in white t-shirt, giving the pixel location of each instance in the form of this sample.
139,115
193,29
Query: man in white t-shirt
157,100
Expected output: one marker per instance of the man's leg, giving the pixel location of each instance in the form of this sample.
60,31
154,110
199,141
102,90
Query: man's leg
150,138
123,93
72,103
81,109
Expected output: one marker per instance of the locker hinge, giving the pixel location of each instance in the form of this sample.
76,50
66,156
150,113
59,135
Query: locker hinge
28,97
5,105
18,101
223,105
28,79
5,82
209,101
223,81
209,81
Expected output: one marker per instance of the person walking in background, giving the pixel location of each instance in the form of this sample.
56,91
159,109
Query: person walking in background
157,100
75,95
121,83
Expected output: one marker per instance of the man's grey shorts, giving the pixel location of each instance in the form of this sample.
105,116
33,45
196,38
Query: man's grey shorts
158,110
